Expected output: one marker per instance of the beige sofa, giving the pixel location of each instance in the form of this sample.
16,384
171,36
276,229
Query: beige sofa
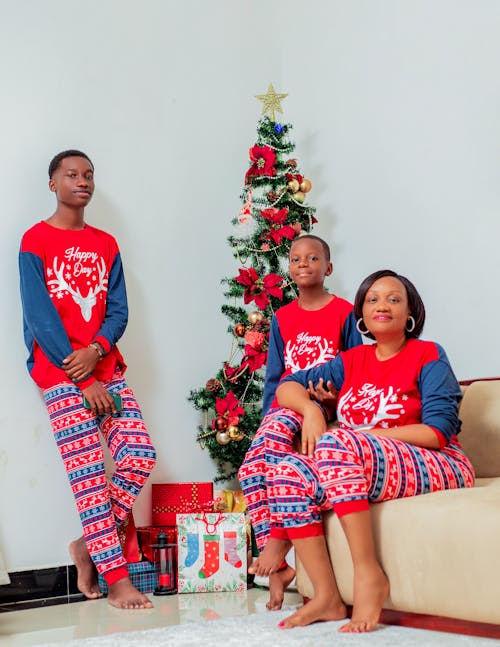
441,551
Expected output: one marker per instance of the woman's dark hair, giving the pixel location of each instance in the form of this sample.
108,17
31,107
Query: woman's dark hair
415,303
57,159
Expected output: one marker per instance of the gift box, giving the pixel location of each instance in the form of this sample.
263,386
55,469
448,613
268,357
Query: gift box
170,499
142,575
212,552
148,535
127,534
229,501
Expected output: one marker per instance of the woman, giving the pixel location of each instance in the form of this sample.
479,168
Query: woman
398,420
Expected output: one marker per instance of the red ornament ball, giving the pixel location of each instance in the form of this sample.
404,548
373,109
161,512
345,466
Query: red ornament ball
220,423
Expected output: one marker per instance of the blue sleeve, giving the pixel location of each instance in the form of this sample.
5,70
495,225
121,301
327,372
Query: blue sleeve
116,318
275,365
330,371
440,393
351,336
41,320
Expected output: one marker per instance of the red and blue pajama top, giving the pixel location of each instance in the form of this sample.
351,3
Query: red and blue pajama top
300,339
73,292
415,386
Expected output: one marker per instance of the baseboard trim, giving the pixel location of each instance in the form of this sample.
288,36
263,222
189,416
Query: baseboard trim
40,587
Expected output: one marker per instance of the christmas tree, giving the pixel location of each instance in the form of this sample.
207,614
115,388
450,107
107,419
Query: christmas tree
274,213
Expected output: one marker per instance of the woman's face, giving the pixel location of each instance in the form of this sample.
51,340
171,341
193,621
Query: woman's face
385,308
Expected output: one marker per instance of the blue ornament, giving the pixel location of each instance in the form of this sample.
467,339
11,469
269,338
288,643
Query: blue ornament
278,128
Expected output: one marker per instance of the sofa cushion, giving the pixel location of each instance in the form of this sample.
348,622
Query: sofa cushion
439,551
480,435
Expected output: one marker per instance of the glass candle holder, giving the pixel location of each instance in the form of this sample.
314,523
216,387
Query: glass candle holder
164,557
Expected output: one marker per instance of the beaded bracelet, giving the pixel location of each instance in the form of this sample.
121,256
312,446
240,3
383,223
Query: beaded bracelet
97,347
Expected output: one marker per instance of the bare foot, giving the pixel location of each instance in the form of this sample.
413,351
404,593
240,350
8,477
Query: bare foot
86,571
316,610
371,588
270,558
278,583
124,595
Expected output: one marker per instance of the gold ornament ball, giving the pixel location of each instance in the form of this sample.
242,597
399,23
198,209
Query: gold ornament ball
239,330
293,186
222,438
299,196
255,316
305,185
234,433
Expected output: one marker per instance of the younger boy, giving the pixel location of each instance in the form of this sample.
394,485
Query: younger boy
307,332
75,310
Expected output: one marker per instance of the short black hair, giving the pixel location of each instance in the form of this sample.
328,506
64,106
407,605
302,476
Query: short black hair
57,159
325,245
415,303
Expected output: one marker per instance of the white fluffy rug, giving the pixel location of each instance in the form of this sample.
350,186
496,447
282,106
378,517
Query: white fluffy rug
261,630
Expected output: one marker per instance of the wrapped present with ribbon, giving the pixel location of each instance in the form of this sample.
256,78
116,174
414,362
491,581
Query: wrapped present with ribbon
148,535
171,499
212,552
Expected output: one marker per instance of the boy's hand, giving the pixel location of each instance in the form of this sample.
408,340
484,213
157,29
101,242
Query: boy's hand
313,426
325,396
99,399
80,363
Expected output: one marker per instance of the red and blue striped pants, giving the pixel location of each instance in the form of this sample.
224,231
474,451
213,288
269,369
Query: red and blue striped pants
351,469
102,506
272,442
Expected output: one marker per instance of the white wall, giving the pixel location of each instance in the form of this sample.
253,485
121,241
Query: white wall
395,108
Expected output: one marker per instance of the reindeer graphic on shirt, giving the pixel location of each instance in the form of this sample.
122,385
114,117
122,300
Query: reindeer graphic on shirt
369,407
77,265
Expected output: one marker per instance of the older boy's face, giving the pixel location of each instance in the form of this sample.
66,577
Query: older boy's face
73,181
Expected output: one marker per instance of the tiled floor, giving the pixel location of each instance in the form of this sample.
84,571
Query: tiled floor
65,622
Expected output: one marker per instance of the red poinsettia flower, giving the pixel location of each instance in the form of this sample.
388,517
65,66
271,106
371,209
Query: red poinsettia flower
230,408
254,358
278,230
257,289
263,159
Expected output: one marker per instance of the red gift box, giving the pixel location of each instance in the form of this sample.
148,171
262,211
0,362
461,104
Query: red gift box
170,499
148,535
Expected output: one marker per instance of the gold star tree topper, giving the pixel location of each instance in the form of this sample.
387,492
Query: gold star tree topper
272,101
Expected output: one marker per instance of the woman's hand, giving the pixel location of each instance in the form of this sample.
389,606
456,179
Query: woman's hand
80,363
325,396
313,426
99,399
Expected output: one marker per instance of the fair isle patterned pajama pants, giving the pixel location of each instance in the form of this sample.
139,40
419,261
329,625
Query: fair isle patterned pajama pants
102,506
272,442
351,469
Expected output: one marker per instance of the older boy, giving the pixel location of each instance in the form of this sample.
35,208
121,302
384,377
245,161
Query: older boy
75,310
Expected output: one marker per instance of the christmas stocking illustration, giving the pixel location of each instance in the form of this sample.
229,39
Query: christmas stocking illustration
193,549
211,564
230,554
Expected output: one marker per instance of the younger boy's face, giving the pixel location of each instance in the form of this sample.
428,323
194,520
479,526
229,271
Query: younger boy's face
308,265
73,181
